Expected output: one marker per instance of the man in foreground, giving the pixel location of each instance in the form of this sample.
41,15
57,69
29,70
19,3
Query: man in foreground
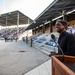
66,41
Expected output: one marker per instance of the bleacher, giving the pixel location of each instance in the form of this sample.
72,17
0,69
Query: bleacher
11,33
45,43
71,29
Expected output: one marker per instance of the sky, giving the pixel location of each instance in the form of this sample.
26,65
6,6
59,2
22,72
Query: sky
31,8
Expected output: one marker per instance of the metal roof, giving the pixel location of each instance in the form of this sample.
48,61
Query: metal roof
12,18
53,11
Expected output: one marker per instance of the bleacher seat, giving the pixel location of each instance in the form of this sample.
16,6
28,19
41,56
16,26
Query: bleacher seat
50,43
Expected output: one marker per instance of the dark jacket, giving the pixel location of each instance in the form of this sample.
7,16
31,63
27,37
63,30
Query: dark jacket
67,43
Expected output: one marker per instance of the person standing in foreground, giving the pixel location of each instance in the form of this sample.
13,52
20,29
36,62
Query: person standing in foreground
66,40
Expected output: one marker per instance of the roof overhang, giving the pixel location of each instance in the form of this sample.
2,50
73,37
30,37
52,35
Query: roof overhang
11,18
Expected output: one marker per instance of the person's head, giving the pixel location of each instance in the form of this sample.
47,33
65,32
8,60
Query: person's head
60,25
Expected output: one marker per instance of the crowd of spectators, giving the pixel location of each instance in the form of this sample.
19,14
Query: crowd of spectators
11,33
71,29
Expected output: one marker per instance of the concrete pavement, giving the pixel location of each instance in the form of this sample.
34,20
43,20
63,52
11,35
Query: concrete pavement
17,58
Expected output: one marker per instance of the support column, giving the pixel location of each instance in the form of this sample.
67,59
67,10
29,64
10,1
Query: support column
17,24
38,29
35,30
32,31
6,23
26,39
64,15
50,25
31,42
43,28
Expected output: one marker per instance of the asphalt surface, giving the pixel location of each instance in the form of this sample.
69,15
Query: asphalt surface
17,58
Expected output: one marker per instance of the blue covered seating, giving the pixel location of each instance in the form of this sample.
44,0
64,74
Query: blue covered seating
40,40
50,43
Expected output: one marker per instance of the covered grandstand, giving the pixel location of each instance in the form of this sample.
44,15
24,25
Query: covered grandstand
14,18
57,9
